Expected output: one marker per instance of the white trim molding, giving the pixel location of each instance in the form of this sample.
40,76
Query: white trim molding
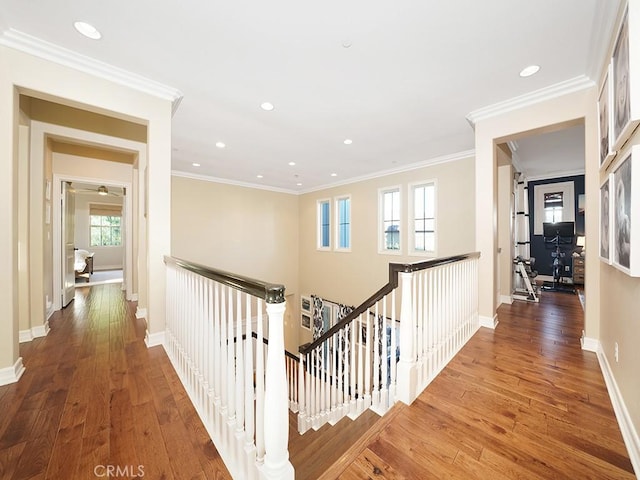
589,344
141,313
489,322
48,51
12,374
154,339
34,332
629,433
508,299
557,90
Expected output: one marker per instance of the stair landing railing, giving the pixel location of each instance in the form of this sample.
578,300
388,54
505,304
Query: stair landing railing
215,330
391,346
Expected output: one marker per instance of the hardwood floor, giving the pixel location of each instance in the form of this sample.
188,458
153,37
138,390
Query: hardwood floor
523,401
94,397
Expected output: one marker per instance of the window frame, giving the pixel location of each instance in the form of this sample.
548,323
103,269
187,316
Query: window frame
568,194
319,225
337,247
411,220
101,226
382,244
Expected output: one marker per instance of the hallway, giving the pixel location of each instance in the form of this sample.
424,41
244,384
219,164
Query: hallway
94,397
523,401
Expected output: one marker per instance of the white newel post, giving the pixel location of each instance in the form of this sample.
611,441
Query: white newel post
276,419
407,373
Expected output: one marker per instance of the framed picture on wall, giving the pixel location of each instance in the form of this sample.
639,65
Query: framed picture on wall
605,220
625,108
305,321
626,213
604,125
305,304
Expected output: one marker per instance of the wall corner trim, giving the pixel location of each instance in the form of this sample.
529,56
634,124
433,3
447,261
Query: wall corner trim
154,339
12,374
590,344
489,322
629,432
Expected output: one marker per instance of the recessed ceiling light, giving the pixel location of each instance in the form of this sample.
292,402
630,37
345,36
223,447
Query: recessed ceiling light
88,30
220,144
291,164
530,70
259,176
299,184
267,106
334,174
195,164
348,141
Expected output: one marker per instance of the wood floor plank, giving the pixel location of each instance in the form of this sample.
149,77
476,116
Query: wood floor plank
523,401
88,399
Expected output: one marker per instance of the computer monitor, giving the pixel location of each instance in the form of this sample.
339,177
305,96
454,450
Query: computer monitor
558,229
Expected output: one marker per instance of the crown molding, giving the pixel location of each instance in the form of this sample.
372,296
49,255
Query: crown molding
48,51
407,168
553,91
208,178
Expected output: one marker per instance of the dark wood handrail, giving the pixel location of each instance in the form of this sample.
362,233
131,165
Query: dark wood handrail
270,292
394,269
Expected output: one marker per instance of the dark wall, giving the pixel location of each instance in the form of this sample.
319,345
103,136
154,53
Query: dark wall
538,249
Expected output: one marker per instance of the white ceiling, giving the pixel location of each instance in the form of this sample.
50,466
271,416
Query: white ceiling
414,70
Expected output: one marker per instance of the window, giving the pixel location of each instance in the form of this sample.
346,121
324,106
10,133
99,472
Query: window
343,230
424,217
105,223
553,207
324,224
389,226
542,200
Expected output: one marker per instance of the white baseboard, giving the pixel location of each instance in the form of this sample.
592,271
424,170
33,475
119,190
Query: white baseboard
134,297
489,322
40,330
34,332
25,336
629,433
154,339
589,344
141,313
508,299
11,374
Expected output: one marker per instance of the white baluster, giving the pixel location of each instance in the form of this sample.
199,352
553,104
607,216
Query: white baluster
276,423
259,386
407,365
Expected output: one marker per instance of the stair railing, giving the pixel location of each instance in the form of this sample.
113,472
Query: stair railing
215,330
391,346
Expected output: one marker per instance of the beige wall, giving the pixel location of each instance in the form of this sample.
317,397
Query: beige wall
44,79
618,294
352,277
242,230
